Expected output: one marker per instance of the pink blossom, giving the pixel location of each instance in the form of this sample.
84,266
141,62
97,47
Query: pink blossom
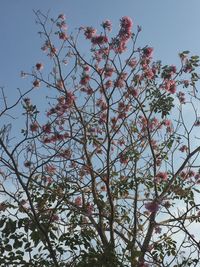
153,123
55,218
188,67
197,176
47,128
123,158
78,201
48,180
158,230
63,36
119,46
186,83
103,118
158,162
191,173
102,104
36,83
51,169
99,40
108,71
173,69
53,51
132,62
27,164
90,209
86,68
39,66
85,79
34,126
119,83
103,188
152,206
62,16
134,92
121,141
46,140
181,97
107,25
66,153
70,98
119,43
124,36
62,25
183,148
162,176
167,204
167,123
154,144
108,84
149,74
60,84
44,48
145,63
197,123
121,106
114,121
88,90
89,32
183,175
148,51
126,22
170,85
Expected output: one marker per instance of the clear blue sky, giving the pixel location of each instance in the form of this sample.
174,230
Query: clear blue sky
169,26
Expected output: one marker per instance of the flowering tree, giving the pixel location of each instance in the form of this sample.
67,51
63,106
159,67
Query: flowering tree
107,174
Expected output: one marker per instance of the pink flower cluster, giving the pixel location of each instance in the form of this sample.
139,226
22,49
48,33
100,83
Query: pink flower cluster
183,148
90,209
119,43
147,52
170,86
85,79
89,32
46,128
168,72
181,97
36,83
63,36
78,201
120,81
107,25
108,71
99,40
57,137
132,62
168,124
34,127
64,104
161,176
39,66
152,206
123,158
65,153
102,104
50,169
